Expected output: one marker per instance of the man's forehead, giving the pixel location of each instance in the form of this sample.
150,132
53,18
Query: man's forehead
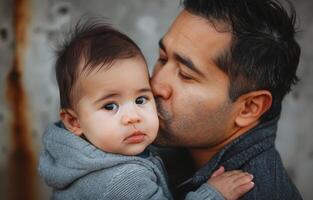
198,31
197,38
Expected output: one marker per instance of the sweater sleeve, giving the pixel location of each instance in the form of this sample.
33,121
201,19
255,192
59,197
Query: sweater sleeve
204,192
136,183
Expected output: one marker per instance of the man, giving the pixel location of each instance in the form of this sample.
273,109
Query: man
223,70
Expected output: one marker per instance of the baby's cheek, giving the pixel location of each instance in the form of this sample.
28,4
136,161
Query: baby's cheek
151,112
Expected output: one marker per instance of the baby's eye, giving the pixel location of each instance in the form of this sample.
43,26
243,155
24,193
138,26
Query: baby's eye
141,100
110,106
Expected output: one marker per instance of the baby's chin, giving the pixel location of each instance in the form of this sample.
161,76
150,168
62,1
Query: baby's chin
135,149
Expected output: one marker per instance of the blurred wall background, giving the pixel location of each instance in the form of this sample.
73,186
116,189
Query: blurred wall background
29,31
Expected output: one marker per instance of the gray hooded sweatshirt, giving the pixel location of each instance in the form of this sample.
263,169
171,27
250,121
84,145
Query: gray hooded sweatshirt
75,169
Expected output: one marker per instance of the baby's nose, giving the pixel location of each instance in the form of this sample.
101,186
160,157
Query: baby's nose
130,119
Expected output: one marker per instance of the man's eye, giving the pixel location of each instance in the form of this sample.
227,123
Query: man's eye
141,100
110,106
183,76
162,61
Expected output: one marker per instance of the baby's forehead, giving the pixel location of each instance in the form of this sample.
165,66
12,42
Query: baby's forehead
133,68
87,67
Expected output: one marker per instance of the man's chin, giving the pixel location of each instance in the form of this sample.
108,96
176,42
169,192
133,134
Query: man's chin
160,141
163,139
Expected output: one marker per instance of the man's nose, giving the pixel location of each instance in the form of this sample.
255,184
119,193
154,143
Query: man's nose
160,83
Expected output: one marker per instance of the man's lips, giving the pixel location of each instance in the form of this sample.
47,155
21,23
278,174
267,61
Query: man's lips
160,109
135,138
160,116
163,114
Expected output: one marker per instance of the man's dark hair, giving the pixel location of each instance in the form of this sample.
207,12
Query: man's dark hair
263,54
91,46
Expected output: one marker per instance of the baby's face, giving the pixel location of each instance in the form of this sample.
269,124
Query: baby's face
116,111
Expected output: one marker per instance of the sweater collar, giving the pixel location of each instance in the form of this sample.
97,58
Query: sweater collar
236,153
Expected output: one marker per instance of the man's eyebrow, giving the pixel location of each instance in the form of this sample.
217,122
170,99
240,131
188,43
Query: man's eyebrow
161,45
185,61
188,63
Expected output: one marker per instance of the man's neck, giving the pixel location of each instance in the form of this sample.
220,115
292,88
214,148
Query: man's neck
201,156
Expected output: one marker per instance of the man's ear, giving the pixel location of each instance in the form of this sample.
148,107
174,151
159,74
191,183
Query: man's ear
70,121
252,107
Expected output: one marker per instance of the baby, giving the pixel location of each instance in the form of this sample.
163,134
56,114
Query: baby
100,150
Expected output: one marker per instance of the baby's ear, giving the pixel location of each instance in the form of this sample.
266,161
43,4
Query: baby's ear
70,121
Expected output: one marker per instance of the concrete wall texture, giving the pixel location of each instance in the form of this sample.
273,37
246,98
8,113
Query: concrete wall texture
42,24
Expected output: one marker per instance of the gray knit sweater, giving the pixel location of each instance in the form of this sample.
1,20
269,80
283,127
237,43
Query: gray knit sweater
75,169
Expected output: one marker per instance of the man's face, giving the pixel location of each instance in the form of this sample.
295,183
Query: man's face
191,91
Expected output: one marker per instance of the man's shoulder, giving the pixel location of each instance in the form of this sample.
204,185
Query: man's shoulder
270,176
265,159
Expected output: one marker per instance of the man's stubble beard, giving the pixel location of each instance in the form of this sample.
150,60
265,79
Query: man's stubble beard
167,136
164,136
190,124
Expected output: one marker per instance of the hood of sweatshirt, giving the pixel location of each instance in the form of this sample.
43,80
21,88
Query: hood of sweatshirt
67,157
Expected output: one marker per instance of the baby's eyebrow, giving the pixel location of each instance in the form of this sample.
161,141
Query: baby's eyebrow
145,90
114,94
107,96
